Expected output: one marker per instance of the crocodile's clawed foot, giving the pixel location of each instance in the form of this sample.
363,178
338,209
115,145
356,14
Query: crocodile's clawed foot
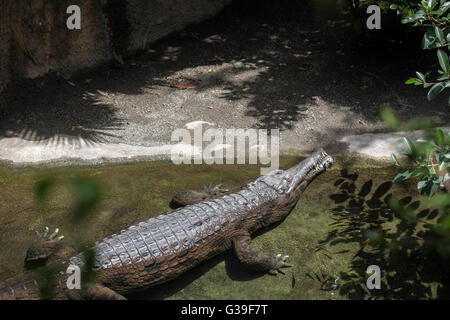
280,263
53,237
214,190
45,245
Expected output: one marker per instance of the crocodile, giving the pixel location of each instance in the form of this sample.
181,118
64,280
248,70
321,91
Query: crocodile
161,248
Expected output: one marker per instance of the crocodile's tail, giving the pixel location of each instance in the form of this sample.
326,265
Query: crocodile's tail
22,287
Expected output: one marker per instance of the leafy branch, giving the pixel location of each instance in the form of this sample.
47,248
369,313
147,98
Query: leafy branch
433,15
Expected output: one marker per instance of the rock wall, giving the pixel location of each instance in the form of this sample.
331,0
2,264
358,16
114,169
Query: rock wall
35,41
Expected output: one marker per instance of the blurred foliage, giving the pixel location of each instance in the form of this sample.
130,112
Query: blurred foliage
42,189
46,277
118,61
87,196
431,158
88,272
409,239
429,155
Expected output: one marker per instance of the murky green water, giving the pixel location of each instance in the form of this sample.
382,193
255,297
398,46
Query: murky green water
318,243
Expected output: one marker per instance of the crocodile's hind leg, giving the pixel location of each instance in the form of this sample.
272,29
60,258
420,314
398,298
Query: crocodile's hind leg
46,246
250,256
214,190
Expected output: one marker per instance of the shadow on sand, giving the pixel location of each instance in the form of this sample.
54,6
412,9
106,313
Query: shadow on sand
303,54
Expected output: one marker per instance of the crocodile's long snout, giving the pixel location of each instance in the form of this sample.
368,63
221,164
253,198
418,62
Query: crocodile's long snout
308,169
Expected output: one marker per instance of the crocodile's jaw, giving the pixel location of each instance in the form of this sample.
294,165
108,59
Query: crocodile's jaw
290,184
303,173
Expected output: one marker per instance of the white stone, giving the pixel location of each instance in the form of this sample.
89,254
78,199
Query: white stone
194,124
381,145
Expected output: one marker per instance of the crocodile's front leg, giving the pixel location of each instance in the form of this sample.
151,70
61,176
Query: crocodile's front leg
250,256
189,197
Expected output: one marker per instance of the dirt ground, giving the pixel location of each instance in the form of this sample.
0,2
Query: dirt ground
307,68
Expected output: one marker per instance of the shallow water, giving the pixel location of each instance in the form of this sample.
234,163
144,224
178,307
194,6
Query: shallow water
133,192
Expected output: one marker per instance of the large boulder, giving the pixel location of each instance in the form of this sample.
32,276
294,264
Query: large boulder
34,38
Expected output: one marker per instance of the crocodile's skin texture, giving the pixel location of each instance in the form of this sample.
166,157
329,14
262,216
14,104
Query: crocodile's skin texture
177,234
160,248
19,288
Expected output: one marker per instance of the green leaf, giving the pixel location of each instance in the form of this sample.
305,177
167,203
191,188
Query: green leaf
390,118
440,136
429,187
421,184
434,188
402,176
429,40
118,59
420,76
412,80
435,90
443,59
375,237
410,146
446,223
419,16
432,4
408,174
394,157
43,188
416,173
439,34
444,8
431,171
88,194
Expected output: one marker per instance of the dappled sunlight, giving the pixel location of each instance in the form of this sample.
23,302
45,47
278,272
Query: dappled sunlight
316,82
362,215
